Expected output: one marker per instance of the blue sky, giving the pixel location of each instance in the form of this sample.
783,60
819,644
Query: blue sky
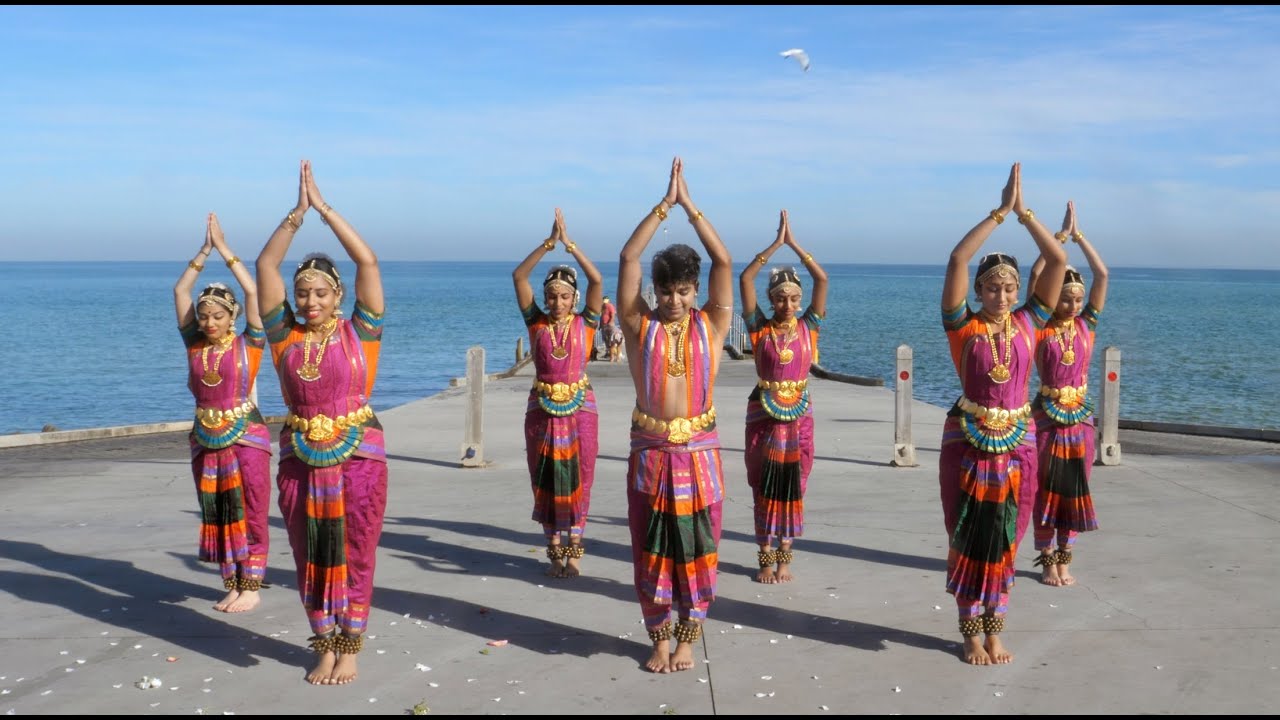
452,133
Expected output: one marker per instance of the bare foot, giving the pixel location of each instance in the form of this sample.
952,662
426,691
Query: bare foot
572,569
222,604
1049,574
324,667
766,575
996,650
247,601
1064,575
784,573
660,660
682,658
343,672
557,564
974,653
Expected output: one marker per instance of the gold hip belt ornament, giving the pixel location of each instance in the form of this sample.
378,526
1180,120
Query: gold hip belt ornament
1067,395
322,428
996,418
213,417
560,392
679,430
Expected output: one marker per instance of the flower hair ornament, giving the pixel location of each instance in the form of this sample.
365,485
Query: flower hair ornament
783,279
565,277
220,294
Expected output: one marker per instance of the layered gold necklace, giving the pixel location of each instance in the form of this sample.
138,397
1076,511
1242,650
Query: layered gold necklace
310,371
677,335
1000,373
783,348
560,338
1068,345
211,376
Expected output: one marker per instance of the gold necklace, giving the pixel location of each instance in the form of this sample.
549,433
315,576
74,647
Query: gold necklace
560,349
785,354
310,371
677,332
211,376
1068,346
999,373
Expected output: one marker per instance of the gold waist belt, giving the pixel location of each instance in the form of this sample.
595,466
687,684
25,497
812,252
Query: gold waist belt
678,430
783,386
994,417
213,417
1068,394
560,392
321,427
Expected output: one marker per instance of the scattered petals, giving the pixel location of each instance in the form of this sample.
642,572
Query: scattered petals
937,607
998,694
766,677
434,685
760,695
737,627
373,700
1159,667
773,641
702,680
897,689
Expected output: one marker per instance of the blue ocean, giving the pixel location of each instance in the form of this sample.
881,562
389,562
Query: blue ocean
95,344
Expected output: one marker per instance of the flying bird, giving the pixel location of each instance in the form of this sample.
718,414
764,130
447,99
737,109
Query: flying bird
800,57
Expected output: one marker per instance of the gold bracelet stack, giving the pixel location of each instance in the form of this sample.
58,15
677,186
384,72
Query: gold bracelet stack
233,261
292,221
997,216
1077,236
324,213
195,266
661,211
1025,217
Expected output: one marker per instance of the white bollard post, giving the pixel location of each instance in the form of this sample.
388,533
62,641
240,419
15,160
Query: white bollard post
473,422
904,452
1109,418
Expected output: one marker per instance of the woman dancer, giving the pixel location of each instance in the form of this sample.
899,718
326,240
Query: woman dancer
560,422
988,445
230,443
1064,416
333,469
779,449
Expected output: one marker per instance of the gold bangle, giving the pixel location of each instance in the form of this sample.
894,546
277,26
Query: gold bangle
570,247
548,244
195,266
807,257
660,211
1025,217
292,221
760,258
233,261
997,216
695,218
1077,236
1060,237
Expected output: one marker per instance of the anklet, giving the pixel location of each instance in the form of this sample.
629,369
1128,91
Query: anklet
662,633
971,626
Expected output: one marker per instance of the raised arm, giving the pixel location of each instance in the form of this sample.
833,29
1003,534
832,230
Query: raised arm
595,283
631,305
520,276
747,279
368,275
1049,285
182,303
1068,224
956,285
719,305
1098,285
252,313
818,299
271,288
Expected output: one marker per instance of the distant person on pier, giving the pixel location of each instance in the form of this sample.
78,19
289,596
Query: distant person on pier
333,461
560,422
779,426
675,482
612,331
988,460
1065,435
230,442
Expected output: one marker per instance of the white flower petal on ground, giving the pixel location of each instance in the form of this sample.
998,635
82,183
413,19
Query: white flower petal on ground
897,689
434,685
766,677
421,667
998,694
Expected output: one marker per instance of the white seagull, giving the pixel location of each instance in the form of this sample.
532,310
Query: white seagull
800,57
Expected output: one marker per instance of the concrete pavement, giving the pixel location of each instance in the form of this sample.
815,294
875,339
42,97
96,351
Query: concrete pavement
1174,610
